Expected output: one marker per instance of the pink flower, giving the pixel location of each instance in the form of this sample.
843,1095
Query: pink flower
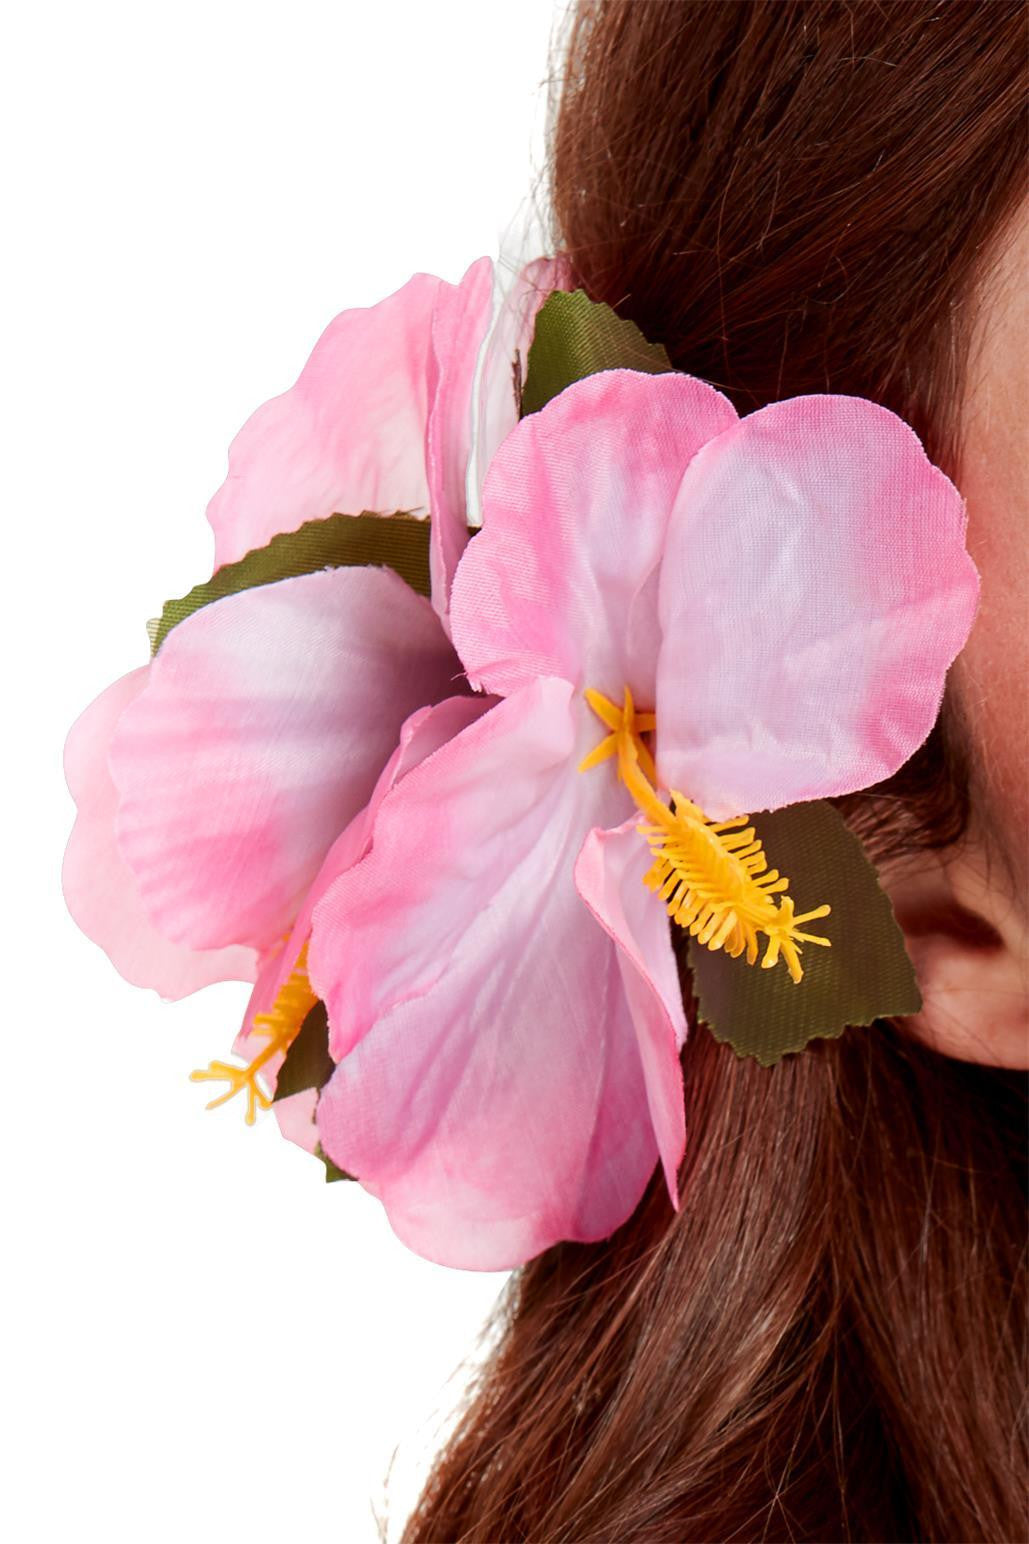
784,593
212,783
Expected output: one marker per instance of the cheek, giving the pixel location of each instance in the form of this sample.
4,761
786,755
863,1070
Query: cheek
964,910
991,674
990,678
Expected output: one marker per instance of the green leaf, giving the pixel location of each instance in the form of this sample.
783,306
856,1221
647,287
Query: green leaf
865,975
399,541
576,337
332,1171
307,1063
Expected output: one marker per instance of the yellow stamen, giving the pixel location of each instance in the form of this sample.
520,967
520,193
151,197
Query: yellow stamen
280,1026
625,724
712,876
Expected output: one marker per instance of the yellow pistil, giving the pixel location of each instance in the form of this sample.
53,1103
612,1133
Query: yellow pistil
280,1026
712,876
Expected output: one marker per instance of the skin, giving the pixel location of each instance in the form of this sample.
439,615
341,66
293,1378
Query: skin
965,912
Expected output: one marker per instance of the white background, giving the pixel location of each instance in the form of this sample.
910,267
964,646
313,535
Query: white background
200,1339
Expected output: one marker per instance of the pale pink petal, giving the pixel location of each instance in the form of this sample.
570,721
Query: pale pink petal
420,737
99,887
348,436
459,322
262,998
562,579
517,298
295,1116
815,589
266,721
494,1099
609,877
426,732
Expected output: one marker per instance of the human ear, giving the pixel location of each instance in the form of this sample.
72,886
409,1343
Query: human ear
967,940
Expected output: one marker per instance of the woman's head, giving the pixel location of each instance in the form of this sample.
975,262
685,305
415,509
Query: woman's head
802,197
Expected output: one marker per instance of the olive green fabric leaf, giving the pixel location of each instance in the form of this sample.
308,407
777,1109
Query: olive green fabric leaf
865,975
332,1171
307,1063
399,541
576,337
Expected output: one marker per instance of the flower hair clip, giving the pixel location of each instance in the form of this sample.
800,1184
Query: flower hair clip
521,685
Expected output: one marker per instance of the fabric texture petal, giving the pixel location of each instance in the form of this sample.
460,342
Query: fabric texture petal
460,319
349,435
264,725
609,877
422,734
296,1118
420,737
562,579
99,887
494,1099
517,298
815,590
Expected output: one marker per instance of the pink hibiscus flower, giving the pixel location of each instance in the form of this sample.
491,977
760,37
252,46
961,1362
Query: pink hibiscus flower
780,597
211,783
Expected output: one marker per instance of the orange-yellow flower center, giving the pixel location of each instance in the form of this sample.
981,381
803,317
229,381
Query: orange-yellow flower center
713,876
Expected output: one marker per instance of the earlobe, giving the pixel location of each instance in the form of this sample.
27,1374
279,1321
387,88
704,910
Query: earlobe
968,944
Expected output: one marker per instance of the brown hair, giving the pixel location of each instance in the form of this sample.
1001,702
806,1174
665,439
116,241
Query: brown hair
827,1341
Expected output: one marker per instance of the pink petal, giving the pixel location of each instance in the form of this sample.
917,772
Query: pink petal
348,436
295,1116
100,889
815,589
516,303
459,321
267,718
609,877
494,1099
420,737
266,988
562,579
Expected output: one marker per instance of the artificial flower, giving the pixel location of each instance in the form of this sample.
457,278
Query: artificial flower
670,601
211,784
